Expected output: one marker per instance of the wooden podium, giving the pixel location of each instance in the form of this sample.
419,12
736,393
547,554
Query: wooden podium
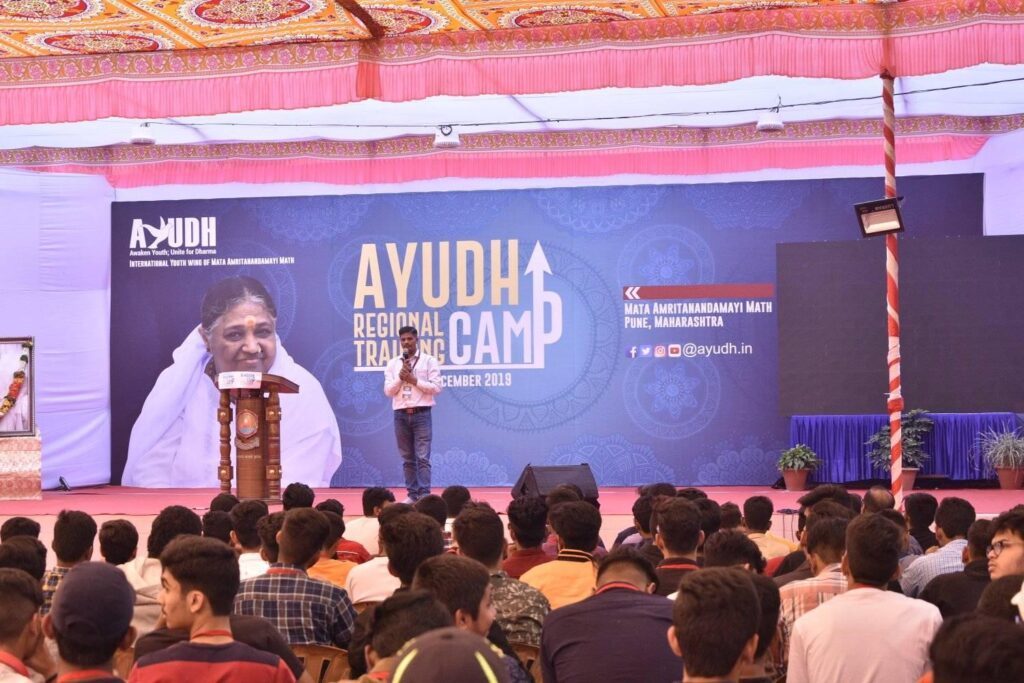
257,433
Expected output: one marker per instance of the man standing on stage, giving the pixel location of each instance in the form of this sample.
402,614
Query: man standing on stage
412,380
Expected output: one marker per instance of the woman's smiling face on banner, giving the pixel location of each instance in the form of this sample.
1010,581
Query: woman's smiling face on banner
243,339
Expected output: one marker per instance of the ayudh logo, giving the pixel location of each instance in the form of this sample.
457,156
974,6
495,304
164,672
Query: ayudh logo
175,233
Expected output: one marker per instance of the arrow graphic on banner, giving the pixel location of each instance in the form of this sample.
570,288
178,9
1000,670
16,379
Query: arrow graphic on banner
537,267
632,293
721,291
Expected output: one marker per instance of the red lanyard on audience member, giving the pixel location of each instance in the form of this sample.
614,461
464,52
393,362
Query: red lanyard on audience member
212,633
15,663
677,566
617,584
84,675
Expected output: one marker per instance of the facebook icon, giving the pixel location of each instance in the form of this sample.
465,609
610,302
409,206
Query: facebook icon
631,353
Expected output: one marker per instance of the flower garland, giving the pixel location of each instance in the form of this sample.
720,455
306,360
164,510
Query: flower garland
14,390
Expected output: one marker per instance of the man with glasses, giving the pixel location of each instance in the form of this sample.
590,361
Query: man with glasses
1006,554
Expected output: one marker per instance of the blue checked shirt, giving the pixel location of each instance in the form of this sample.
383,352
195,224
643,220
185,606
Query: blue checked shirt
946,560
304,610
51,579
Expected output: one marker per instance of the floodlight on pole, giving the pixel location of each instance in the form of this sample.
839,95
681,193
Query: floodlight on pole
880,216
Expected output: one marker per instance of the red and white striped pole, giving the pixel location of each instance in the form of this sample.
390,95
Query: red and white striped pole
892,296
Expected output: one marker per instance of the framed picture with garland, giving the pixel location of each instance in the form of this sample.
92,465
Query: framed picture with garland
17,388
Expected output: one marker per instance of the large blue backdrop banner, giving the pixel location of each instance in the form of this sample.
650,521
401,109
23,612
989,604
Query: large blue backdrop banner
632,328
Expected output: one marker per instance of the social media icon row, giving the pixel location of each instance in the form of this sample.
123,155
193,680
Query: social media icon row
655,351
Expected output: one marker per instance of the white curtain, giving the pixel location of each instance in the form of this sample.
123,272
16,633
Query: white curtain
55,286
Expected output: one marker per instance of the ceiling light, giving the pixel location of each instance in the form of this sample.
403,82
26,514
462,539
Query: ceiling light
446,136
143,135
771,120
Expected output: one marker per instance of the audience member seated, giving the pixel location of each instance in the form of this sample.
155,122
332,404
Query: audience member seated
19,526
997,599
527,526
878,498
143,573
643,510
690,493
217,525
615,634
973,648
958,592
463,586
200,579
91,619
74,535
479,535
563,493
715,621
766,656
868,634
327,568
455,498
365,530
910,550
757,517
347,550
304,610
826,544
224,502
447,655
433,506
952,521
732,516
119,541
732,548
797,566
920,508
22,645
25,553
710,520
676,526
660,489
268,528
245,537
410,540
373,581
297,495
1006,554
572,575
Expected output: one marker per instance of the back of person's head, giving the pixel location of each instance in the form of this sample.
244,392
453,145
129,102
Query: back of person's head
825,509
642,509
979,537
267,528
302,536
661,488
205,565
690,493
25,553
297,495
119,541
894,516
91,615
577,524
972,648
527,520
873,549
732,516
479,534
770,600
404,616
410,540
715,618
562,493
223,502
710,515
733,548
337,530
878,498
458,582
995,599
757,513
627,565
245,518
217,525
455,498
19,526
375,499
391,513
331,505
954,517
826,538
677,524
173,521
920,509
74,534
20,600
433,505
1010,522
447,655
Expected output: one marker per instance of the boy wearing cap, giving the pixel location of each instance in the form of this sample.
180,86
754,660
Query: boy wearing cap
197,592
91,619
21,635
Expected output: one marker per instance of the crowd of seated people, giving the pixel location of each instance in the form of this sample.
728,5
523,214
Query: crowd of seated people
451,590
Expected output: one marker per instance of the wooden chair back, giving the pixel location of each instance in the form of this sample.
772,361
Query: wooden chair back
322,662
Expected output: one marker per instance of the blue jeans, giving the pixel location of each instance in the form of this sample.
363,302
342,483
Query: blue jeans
413,432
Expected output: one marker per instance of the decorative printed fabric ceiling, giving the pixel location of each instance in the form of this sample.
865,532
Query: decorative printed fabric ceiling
61,27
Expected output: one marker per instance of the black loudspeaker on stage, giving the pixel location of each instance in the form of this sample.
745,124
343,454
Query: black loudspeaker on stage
538,480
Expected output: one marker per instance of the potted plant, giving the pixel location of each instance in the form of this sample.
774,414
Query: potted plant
915,425
1004,452
796,464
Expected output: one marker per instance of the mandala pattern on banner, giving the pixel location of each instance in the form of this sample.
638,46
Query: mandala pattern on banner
672,400
444,214
398,21
666,255
294,224
50,11
614,460
248,13
456,466
565,15
355,471
356,397
83,42
748,206
748,463
596,210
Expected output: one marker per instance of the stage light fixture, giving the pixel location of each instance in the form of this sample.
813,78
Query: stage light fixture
143,135
446,137
879,217
771,120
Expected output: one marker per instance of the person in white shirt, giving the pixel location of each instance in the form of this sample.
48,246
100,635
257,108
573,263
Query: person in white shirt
374,581
245,538
365,530
868,634
412,380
